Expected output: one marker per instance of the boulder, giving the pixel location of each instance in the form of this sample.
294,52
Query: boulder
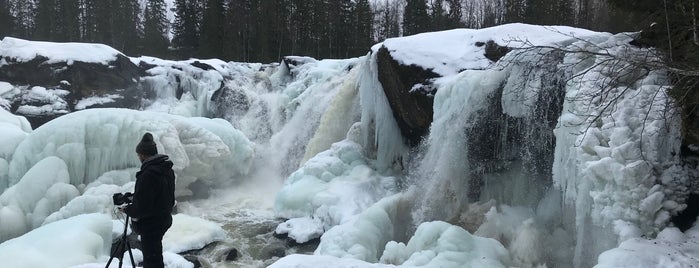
114,84
408,90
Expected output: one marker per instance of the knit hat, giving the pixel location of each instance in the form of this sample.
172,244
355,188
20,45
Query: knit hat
147,145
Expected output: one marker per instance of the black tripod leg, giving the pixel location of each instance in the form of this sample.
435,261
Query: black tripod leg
123,243
128,247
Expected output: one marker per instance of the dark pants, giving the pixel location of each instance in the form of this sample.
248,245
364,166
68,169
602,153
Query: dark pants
152,247
152,244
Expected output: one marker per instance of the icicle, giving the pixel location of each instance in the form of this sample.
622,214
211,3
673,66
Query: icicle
378,125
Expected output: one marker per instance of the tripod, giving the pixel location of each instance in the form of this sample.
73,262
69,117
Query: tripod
122,246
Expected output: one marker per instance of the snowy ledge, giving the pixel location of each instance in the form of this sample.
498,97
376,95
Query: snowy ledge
22,51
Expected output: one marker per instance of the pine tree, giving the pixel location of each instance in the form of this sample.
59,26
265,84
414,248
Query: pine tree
238,29
7,21
438,16
126,28
46,20
453,19
211,40
415,17
389,24
98,21
155,29
514,10
68,21
363,28
186,27
24,17
548,12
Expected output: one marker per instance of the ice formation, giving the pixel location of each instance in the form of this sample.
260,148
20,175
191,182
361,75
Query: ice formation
94,141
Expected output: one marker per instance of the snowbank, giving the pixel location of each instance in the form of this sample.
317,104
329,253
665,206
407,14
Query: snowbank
189,233
671,248
23,50
449,52
82,239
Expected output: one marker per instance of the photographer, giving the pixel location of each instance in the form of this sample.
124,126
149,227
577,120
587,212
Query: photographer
153,201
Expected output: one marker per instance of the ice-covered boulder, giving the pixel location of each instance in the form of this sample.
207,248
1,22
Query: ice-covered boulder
409,66
371,240
42,190
57,78
94,141
332,187
14,129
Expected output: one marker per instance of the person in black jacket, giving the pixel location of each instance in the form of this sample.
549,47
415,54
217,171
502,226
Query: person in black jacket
153,201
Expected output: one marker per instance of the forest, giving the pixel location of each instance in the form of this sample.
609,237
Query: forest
266,30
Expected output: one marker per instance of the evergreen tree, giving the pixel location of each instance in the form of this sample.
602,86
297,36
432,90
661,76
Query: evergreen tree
239,26
438,16
186,27
453,19
126,28
211,39
363,28
155,29
415,17
67,21
7,21
388,20
24,17
548,12
514,10
46,20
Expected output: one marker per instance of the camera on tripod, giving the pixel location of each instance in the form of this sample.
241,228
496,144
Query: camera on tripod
122,198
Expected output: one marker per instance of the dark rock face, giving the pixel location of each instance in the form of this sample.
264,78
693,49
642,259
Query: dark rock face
194,260
493,51
228,100
232,255
411,109
80,79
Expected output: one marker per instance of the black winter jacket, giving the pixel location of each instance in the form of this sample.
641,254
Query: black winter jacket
154,195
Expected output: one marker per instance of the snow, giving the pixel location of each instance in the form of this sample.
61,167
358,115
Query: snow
84,241
78,240
22,51
96,100
671,248
449,52
301,230
189,233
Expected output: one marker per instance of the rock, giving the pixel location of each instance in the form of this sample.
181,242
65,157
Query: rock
194,260
232,255
273,251
202,65
412,110
68,83
493,51
229,101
